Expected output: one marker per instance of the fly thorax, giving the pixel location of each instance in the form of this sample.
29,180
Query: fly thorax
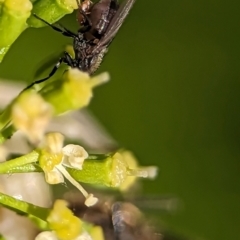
79,43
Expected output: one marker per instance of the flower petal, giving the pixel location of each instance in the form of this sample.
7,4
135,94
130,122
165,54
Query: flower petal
74,156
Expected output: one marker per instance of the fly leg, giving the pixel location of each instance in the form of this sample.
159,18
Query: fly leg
66,59
87,19
62,30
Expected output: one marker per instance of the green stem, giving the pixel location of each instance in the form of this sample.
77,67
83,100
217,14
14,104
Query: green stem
97,169
37,214
94,172
27,163
17,163
26,168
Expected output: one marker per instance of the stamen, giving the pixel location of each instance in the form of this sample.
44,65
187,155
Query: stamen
71,180
90,199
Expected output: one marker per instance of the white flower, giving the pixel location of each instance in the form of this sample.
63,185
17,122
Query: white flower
54,158
50,235
74,156
47,235
54,177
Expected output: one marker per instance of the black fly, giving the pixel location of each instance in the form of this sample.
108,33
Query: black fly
100,23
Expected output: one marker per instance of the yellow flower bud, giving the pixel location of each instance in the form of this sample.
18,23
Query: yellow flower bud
19,6
62,221
73,91
31,114
79,86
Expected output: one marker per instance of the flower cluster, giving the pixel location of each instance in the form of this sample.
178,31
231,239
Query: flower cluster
31,112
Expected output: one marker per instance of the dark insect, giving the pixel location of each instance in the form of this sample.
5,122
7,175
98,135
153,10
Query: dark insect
118,220
100,23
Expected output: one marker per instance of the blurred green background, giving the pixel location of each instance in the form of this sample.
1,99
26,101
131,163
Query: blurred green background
173,99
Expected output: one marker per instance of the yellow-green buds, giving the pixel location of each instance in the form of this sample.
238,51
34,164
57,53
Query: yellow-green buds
13,16
74,91
31,114
65,226
51,11
31,111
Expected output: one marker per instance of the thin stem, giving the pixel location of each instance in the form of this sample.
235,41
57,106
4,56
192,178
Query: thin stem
6,167
38,214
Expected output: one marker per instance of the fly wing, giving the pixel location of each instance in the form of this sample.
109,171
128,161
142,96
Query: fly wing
114,25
